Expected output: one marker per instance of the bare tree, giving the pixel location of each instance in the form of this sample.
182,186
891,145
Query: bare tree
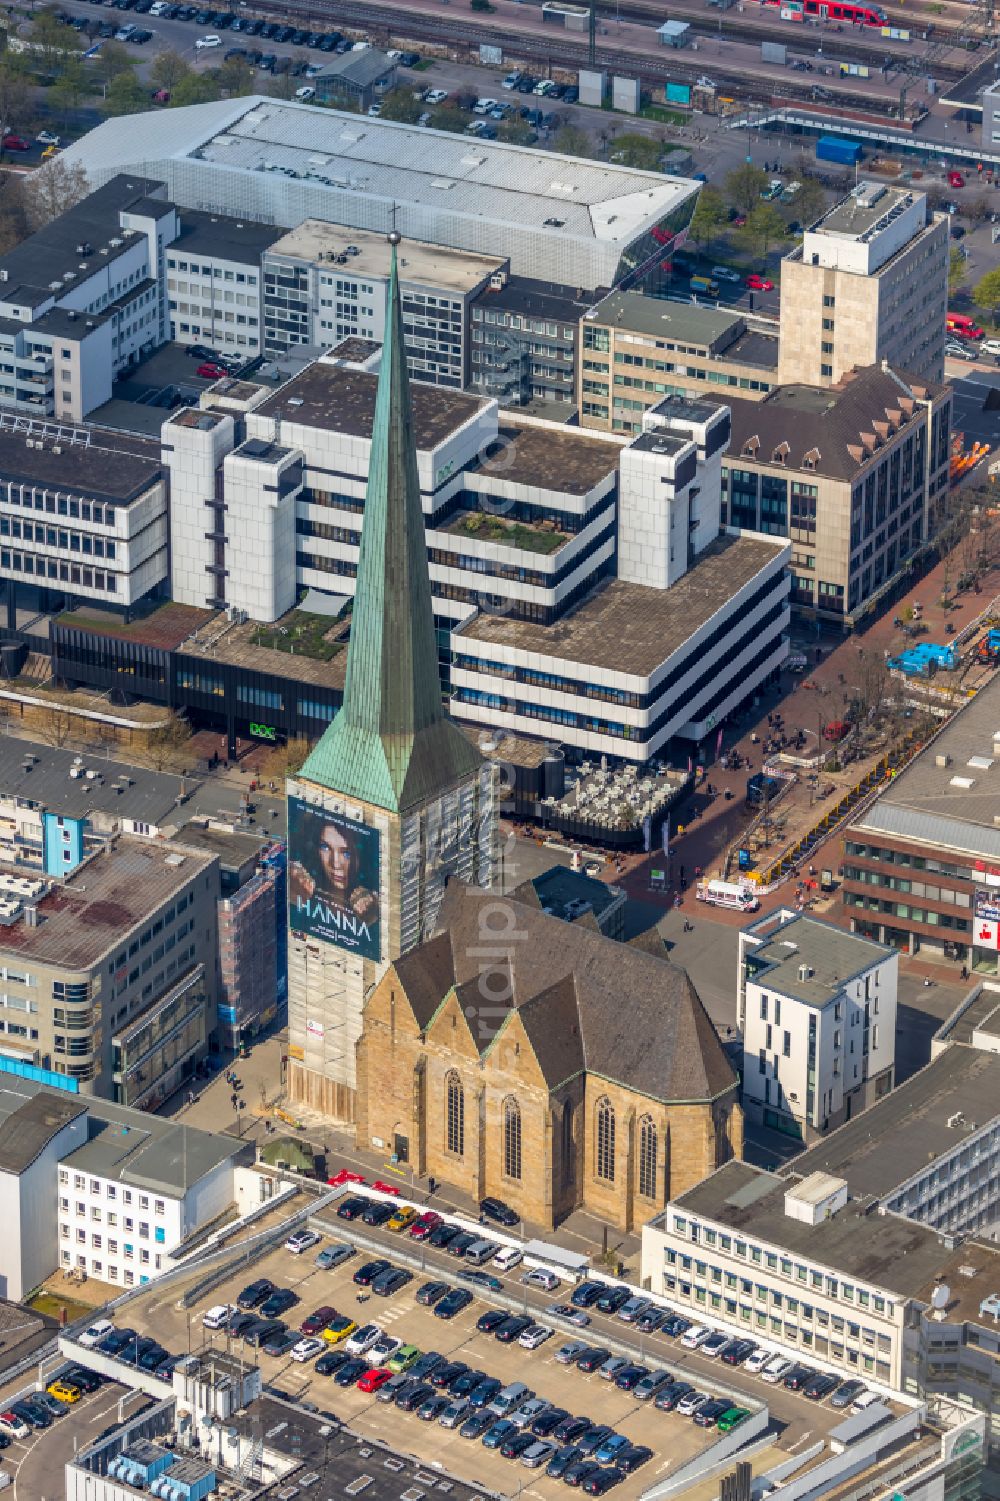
53,189
56,725
164,743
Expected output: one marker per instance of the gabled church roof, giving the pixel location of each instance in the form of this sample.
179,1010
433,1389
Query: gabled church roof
391,744
586,1002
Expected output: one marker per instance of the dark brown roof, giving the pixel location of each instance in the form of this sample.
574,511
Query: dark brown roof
342,399
838,427
586,1001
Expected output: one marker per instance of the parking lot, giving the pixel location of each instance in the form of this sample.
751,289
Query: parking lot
37,1462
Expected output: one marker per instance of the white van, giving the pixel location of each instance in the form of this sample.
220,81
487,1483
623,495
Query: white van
219,1316
727,894
507,1258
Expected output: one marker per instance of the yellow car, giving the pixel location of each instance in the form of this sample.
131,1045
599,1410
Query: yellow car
403,1217
50,151
64,1390
338,1328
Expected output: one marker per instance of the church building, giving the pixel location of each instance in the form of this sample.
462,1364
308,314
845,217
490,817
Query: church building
517,1055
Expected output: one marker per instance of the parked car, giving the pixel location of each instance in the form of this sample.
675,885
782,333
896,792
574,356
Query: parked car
424,1224
849,1392
302,1240
498,1211
431,1292
219,1316
540,1276
820,1386
592,1357
211,372
389,1282
668,1397
613,1298
332,1256
453,1303
709,1413
757,283
93,1335
366,1274
204,42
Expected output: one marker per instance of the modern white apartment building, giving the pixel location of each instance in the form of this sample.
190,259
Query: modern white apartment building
325,282
214,282
868,283
816,1008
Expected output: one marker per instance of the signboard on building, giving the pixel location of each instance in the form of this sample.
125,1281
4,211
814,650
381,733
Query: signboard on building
677,93
333,879
988,906
491,57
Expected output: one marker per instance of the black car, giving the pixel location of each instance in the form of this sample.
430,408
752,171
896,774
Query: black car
545,1422
570,1429
560,1463
674,1324
267,62
512,1328
631,1458
453,1303
299,38
279,1302
253,28
709,1413
378,1213
461,1243
447,1372
477,1423
263,1332
328,44
586,1294
330,1362
410,59
737,1351
136,1349
597,1483
240,1323
442,1235
282,1343
514,1447
115,1341
592,1357
5,1439
667,1399
797,1377
366,1274
387,1283
150,1359
168,1366
594,1437
86,1380
270,30
351,1370
483,1279
412,1397
484,1391
30,1413
820,1386
431,1292
629,1376
613,1298
651,1319
314,38
254,1294
490,1321
463,1385
421,1369
580,1471
498,1211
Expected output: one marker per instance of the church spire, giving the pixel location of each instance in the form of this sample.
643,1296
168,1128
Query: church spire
391,743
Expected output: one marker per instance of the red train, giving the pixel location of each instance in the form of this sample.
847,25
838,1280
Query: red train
837,10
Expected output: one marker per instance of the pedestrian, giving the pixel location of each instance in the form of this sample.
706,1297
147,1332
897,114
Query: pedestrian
965,972
927,983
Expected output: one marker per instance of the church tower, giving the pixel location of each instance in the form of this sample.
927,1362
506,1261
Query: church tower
394,798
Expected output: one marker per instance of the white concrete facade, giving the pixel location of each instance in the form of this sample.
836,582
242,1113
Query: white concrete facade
214,301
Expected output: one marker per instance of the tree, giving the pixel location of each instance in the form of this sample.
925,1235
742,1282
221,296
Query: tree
571,140
56,724
15,92
69,89
710,217
13,224
126,95
283,86
167,70
236,78
399,104
196,88
114,61
764,227
448,118
744,185
54,188
986,293
52,41
515,132
634,150
956,269
979,210
164,743
810,200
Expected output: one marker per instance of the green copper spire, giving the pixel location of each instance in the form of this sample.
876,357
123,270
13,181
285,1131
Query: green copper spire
391,743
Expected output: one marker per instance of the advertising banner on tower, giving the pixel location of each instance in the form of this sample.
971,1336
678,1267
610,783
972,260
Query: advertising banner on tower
333,879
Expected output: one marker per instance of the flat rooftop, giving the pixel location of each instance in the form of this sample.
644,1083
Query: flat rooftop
754,348
982,1014
833,955
672,322
521,294
967,92
232,847
631,629
559,887
106,466
420,264
29,1123
561,460
40,775
960,1081
888,1252
101,902
971,1274
241,240
245,646
951,806
339,399
856,216
165,627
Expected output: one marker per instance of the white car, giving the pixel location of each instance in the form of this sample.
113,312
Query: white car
756,1361
302,1240
307,1348
540,1276
208,41
305,93
695,1336
48,138
374,110
507,1258
988,346
382,1350
511,81
93,1336
725,273
483,106
435,96
362,1340
776,1369
219,1316
689,1405
544,86
714,1345
15,1426
535,1336
866,1399
394,54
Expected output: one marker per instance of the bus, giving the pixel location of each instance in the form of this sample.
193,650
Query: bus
727,894
705,285
839,10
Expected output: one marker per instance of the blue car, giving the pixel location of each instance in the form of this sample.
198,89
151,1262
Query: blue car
494,1437
610,1449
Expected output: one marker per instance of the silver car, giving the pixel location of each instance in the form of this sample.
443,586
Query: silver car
539,1454
612,1366
568,1353
456,1412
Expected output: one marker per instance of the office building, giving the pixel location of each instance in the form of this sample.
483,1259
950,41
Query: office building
83,516
324,283
214,282
635,350
922,864
868,283
108,974
816,1008
525,338
855,474
555,218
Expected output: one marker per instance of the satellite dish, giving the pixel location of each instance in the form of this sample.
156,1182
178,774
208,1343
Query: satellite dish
941,1297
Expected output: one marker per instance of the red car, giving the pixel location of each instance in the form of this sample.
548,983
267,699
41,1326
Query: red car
15,143
373,1379
210,372
318,1320
759,283
344,1177
422,1227
955,179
